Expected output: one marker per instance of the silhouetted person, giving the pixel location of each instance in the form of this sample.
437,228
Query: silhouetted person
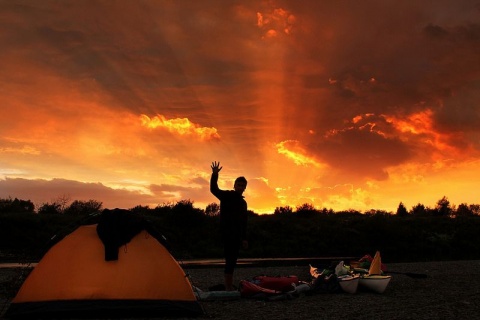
233,220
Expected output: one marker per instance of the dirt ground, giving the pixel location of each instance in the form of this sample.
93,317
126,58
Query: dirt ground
451,290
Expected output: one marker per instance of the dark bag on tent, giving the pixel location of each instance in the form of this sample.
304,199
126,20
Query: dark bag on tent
116,228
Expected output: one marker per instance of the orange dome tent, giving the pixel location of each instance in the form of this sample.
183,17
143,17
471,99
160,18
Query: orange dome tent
74,280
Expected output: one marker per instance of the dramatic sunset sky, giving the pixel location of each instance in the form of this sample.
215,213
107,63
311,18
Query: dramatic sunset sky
340,104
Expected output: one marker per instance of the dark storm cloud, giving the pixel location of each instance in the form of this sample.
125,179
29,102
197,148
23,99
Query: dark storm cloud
387,44
361,152
460,112
459,118
399,59
435,32
454,53
126,56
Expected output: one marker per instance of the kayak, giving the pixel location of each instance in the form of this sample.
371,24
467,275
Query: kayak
349,283
377,283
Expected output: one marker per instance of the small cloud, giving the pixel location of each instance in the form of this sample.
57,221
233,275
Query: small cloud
180,126
21,150
271,34
201,181
12,172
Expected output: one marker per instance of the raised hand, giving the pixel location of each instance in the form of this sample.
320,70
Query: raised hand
216,167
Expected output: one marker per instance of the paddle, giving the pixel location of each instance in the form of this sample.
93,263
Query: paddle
410,274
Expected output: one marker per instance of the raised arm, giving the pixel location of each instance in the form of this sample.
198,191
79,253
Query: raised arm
214,179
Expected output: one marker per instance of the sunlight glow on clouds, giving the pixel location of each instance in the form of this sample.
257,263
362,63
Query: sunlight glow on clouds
422,125
417,123
276,21
180,126
293,151
142,187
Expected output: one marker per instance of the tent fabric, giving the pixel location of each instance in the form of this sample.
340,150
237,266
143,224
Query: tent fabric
74,278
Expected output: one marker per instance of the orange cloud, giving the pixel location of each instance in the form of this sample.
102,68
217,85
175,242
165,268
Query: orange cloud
292,150
416,123
421,124
180,126
277,21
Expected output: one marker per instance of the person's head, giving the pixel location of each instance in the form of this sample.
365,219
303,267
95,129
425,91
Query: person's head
240,184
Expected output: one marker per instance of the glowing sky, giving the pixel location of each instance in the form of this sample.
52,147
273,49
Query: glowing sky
340,104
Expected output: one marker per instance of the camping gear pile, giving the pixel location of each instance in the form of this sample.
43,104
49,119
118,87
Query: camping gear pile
368,272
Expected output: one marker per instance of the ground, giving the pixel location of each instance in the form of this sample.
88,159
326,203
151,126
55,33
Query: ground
451,290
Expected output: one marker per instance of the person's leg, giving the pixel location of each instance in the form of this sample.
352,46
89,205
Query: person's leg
229,282
231,255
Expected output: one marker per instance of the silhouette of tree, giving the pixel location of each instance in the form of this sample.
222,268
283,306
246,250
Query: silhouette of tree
384,213
212,209
164,208
306,209
190,232
141,209
16,206
419,210
475,208
79,207
50,208
185,212
349,212
401,210
326,211
283,210
374,212
443,208
62,201
463,210
251,213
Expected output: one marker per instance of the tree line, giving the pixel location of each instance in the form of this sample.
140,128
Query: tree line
62,205
443,232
